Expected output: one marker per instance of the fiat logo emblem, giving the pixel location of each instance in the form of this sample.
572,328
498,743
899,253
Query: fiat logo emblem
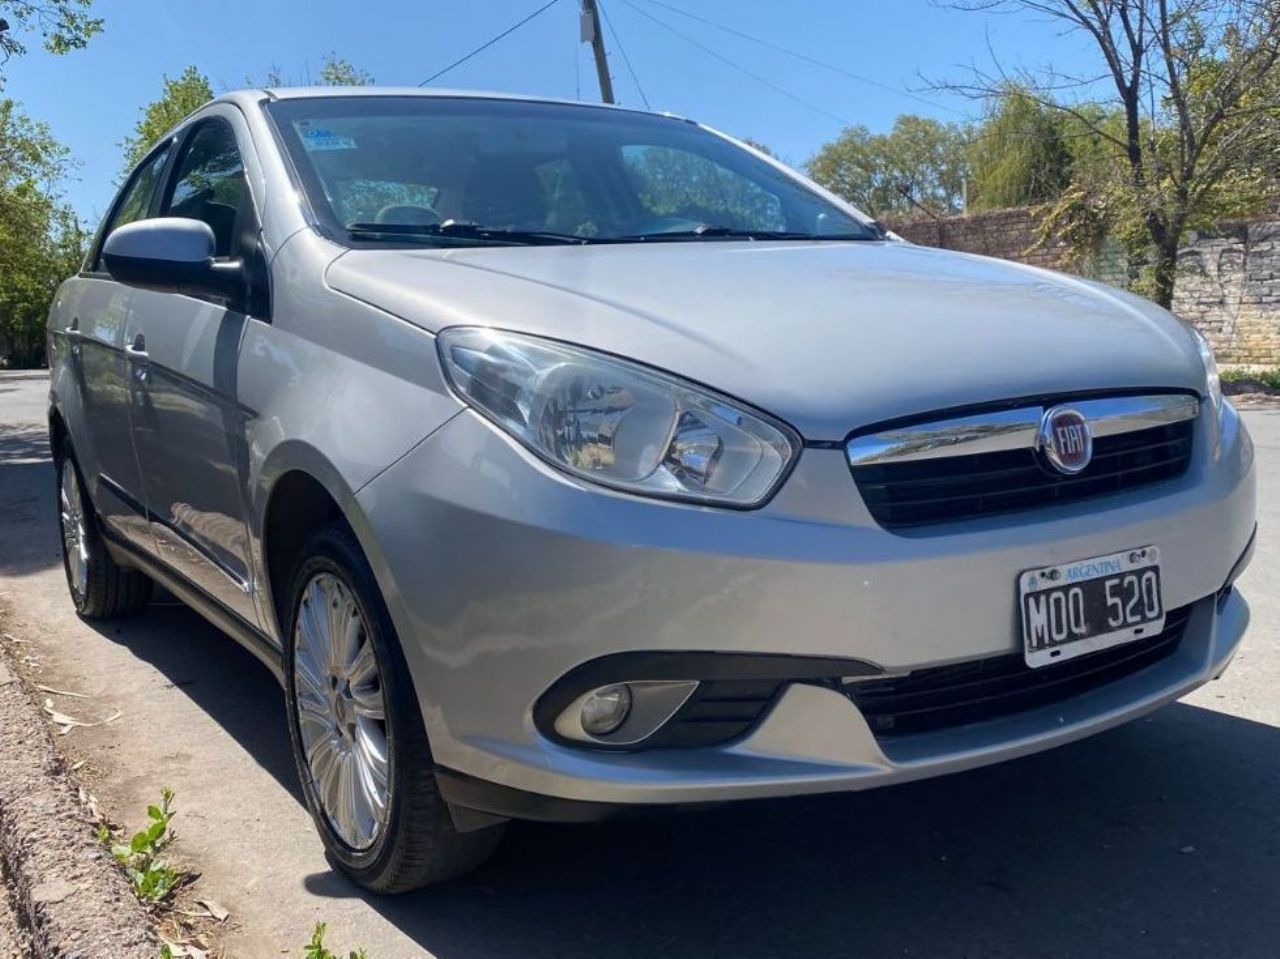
1066,440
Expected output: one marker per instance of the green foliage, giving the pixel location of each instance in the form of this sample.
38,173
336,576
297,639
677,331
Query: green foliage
153,880
921,164
1191,134
63,25
1019,154
28,150
337,71
41,242
182,95
316,948
759,145
1245,381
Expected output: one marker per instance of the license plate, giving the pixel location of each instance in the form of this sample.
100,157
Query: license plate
1090,604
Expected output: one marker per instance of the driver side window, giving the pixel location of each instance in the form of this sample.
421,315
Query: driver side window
209,183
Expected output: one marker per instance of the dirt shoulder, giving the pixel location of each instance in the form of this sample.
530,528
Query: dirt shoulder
14,941
64,890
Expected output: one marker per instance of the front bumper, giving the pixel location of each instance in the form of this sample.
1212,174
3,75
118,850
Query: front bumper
503,576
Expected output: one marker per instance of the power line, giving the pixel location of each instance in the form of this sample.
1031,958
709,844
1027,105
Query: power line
623,50
739,67
485,46
806,58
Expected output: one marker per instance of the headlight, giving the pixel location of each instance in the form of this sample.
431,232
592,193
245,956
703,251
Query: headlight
618,423
1213,382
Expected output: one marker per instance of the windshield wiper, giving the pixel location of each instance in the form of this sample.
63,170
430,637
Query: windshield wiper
710,232
461,230
456,229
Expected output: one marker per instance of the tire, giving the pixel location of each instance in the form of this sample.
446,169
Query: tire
100,587
349,720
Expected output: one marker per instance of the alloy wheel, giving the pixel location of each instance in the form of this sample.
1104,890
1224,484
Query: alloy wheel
75,539
341,712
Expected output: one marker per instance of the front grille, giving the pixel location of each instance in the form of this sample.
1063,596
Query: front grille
945,489
944,697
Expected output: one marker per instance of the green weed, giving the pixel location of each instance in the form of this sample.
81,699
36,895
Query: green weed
153,880
317,950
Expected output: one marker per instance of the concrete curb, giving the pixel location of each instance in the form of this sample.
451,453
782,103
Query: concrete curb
71,898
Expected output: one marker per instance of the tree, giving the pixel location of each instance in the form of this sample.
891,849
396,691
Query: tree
63,25
41,242
921,164
1018,155
182,95
1198,104
336,71
759,145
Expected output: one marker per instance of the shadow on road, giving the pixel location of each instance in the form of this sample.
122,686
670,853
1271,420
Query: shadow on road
26,495
215,673
1158,839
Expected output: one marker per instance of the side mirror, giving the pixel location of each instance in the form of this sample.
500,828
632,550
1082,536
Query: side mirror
172,255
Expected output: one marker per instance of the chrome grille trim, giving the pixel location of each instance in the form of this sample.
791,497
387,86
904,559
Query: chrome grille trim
1015,429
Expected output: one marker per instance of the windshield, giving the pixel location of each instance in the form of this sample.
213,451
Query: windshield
467,171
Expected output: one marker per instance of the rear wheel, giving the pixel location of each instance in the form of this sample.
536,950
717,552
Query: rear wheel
100,587
357,731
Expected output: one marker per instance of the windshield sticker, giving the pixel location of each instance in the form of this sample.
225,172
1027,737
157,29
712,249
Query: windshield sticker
317,138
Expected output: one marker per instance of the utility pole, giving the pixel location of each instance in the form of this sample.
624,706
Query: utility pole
593,34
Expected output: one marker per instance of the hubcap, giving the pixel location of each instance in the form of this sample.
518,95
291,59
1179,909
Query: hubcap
341,715
75,542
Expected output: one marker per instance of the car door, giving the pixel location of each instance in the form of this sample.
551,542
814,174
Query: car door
95,310
188,425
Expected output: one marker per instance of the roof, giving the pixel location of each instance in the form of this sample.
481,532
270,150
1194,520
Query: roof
302,93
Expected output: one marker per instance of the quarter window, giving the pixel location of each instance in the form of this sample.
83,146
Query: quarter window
209,183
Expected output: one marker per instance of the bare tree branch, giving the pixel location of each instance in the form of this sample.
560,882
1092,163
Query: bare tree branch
1197,85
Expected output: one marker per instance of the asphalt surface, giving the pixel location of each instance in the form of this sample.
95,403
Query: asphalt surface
1158,839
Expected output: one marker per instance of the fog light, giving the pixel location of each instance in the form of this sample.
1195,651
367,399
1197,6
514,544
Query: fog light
605,709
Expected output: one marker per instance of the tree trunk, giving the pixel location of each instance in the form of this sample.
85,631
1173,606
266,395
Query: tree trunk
1164,272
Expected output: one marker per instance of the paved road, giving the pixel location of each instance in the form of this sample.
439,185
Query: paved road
1156,840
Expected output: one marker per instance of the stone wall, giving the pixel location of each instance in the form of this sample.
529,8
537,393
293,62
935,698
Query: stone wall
1229,287
1008,234
1228,277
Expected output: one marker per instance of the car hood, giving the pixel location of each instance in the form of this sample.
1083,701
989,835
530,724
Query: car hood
830,336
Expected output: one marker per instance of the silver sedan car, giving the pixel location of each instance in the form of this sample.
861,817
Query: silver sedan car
565,461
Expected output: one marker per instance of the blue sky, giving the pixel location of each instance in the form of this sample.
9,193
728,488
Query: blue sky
92,98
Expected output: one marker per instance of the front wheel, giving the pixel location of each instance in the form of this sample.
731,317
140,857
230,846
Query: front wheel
357,731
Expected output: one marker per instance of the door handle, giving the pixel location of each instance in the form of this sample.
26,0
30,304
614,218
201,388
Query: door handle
72,332
138,358
137,350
